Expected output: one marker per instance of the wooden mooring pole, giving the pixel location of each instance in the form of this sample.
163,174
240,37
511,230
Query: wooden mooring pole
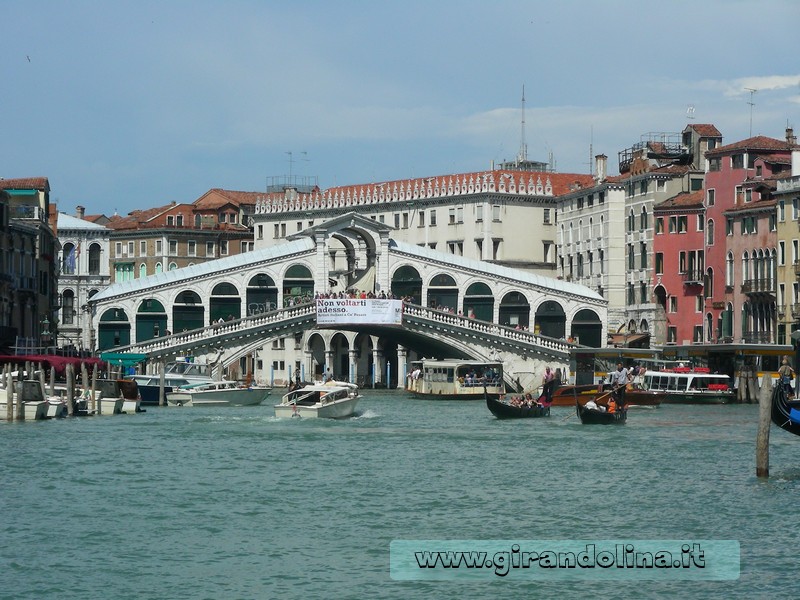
9,385
764,417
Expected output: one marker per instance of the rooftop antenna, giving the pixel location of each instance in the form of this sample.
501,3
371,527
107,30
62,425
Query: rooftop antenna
292,161
752,104
523,147
690,111
591,150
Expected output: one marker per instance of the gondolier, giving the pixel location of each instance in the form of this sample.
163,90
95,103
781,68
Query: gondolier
619,381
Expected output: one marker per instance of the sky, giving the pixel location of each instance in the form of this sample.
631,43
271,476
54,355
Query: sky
130,105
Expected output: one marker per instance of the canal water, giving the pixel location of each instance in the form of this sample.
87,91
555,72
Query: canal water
233,503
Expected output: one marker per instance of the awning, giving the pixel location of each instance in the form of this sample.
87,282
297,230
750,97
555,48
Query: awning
126,359
629,340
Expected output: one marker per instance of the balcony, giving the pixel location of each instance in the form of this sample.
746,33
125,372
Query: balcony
693,278
757,337
797,268
796,310
759,286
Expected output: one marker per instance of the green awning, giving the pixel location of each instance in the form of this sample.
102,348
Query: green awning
126,359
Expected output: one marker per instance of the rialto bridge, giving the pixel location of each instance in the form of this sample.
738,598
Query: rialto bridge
254,313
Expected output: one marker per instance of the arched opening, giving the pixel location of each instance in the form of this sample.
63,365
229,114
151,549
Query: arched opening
407,283
261,294
225,303
587,328
151,320
114,329
94,259
515,310
298,285
187,311
68,307
443,293
550,320
478,302
68,260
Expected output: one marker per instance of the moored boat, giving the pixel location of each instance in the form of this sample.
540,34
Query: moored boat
149,386
35,407
218,393
108,397
594,416
455,379
785,412
330,400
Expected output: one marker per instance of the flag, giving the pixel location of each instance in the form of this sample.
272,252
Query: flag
70,262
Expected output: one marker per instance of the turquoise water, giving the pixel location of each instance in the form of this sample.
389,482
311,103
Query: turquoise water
232,503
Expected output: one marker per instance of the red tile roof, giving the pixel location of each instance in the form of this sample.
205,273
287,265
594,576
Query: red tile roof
705,129
759,142
531,183
216,198
25,183
682,200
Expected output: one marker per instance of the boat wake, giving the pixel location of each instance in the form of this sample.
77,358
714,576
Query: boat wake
367,414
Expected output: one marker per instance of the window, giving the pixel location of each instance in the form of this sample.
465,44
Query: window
672,335
697,335
661,185
547,216
758,171
451,213
710,197
643,296
191,248
123,272
630,257
781,252
173,247
433,218
479,244
397,220
261,232
496,249
210,249
495,212
714,164
68,307
94,259
421,220
460,214
682,222
631,297
700,222
773,222
673,224
299,226
710,233
631,221
170,221
737,161
695,184
659,263
130,248
659,225
478,213
142,248
681,262
643,187
223,247
276,233
782,210
729,270
643,219
698,303
673,304
456,248
118,249
142,270
601,198
179,220
643,254
579,203
729,226
405,220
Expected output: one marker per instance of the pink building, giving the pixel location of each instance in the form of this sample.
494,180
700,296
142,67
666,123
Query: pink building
737,308
680,275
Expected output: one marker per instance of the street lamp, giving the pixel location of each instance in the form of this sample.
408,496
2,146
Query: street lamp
45,333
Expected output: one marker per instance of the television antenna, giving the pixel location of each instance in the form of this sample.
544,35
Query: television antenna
690,111
292,160
752,104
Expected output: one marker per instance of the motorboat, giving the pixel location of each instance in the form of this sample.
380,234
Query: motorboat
35,407
218,393
329,400
150,386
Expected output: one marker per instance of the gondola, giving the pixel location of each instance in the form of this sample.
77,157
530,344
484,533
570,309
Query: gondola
785,413
502,410
591,416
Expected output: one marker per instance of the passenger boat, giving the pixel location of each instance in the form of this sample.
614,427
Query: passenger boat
502,410
785,412
455,379
684,385
330,400
218,393
592,416
635,395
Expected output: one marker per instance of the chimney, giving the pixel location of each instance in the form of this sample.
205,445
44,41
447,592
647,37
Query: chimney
79,211
791,138
601,163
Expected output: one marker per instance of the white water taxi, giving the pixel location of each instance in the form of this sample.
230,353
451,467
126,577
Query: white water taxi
330,400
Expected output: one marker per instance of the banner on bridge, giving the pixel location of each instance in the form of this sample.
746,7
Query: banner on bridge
359,311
